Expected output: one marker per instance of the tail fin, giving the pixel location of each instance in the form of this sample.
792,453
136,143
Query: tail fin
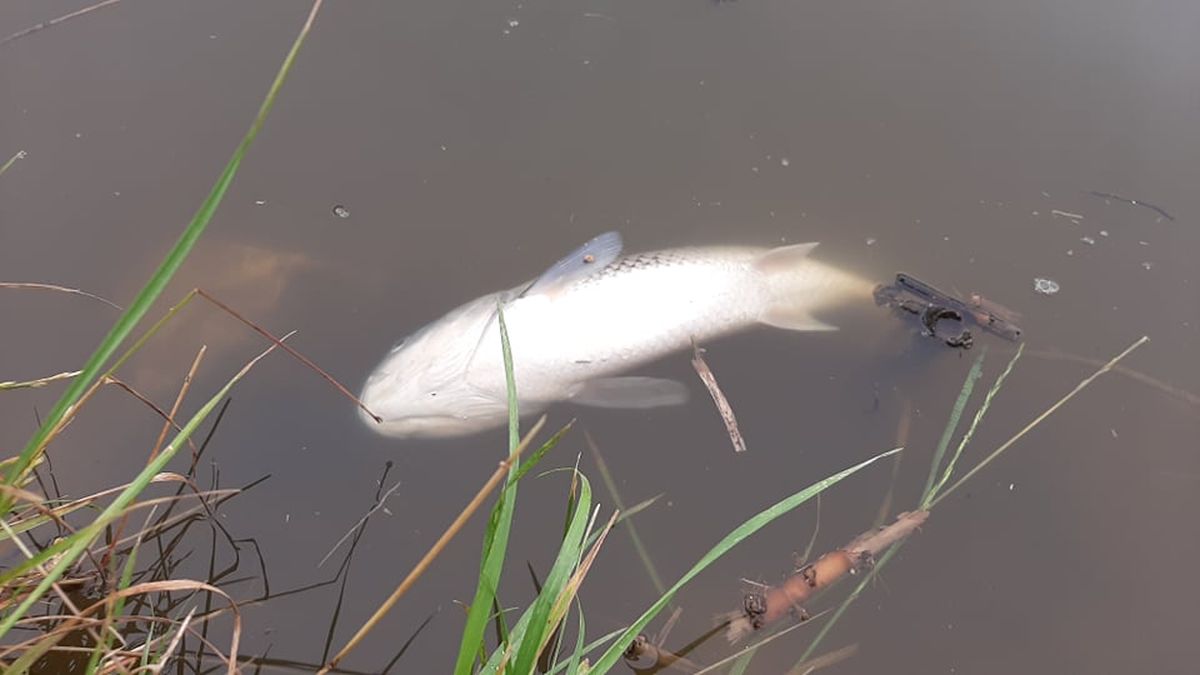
799,285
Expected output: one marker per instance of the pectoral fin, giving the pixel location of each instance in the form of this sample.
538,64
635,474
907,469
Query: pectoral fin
630,392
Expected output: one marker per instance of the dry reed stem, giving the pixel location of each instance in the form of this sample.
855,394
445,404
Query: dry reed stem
497,477
38,382
183,389
278,342
62,595
61,289
718,397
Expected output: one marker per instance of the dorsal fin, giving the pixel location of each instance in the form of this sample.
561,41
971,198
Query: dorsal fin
598,253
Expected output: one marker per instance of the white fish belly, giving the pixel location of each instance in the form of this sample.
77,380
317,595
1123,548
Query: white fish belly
617,320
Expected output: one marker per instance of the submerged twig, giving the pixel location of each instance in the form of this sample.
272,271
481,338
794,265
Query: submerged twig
1136,375
718,397
46,24
768,605
1134,202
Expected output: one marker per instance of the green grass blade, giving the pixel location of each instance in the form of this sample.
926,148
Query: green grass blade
495,542
638,546
951,425
154,287
983,408
577,655
537,456
565,563
754,524
1033,424
743,662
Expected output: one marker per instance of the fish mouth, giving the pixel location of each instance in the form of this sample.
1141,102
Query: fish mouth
428,426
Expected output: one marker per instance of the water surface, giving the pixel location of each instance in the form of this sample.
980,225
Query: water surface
472,144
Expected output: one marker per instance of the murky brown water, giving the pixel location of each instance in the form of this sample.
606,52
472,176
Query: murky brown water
472,144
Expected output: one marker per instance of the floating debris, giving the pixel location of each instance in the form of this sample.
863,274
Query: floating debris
1147,265
1045,286
871,241
341,211
784,161
1066,214
1088,240
936,308
260,202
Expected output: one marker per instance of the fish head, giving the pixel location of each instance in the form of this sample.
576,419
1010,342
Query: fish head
421,388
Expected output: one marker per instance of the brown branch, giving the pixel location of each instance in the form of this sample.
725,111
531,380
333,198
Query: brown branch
718,397
773,603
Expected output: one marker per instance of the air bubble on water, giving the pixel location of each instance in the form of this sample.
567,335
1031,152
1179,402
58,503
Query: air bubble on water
513,23
784,161
1147,265
341,211
1087,240
1045,286
871,241
1070,251
260,202
1103,233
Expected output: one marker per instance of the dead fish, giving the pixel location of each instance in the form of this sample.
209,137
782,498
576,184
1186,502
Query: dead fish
592,316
